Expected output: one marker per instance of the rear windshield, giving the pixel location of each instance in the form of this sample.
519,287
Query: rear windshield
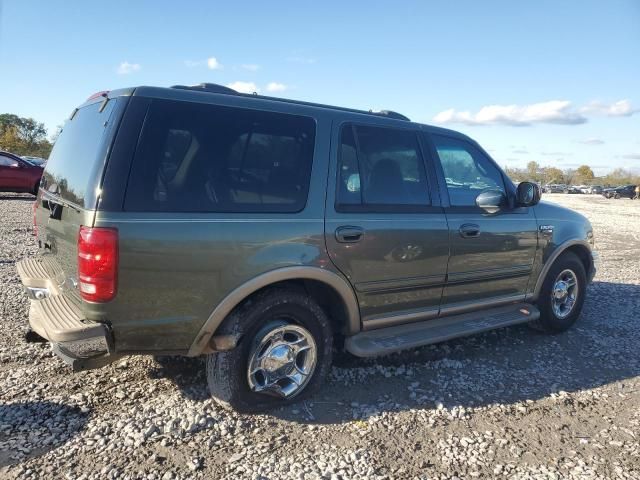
76,157
207,158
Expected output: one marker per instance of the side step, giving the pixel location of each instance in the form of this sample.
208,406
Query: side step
392,339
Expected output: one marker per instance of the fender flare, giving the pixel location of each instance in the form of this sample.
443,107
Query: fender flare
559,250
233,299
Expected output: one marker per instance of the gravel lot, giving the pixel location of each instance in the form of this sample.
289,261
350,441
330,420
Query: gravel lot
510,404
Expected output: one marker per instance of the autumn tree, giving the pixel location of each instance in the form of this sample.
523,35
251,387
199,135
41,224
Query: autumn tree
23,136
584,174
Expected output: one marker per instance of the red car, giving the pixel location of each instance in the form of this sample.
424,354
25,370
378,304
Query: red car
18,175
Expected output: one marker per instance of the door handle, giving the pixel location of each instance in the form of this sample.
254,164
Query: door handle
349,234
469,230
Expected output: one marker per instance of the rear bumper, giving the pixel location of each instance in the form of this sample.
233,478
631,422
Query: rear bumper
81,343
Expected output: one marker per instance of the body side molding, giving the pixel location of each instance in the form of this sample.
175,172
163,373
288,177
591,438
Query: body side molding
234,298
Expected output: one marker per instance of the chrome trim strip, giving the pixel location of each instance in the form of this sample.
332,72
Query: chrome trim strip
492,274
381,321
376,286
463,307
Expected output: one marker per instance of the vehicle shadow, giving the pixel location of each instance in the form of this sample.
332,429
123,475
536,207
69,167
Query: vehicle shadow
44,423
504,366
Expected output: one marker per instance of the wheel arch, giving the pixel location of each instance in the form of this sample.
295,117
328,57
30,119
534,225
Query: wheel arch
332,292
580,248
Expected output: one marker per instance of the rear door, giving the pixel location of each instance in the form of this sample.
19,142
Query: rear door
69,189
492,252
385,229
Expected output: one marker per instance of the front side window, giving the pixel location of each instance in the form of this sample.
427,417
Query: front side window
380,167
207,158
467,171
8,162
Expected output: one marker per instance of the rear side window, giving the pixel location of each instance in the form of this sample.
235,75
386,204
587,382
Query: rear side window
207,158
76,156
380,168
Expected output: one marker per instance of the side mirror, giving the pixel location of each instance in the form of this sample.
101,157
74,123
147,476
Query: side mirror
491,199
527,194
16,165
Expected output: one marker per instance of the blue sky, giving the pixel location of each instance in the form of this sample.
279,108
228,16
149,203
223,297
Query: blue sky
555,82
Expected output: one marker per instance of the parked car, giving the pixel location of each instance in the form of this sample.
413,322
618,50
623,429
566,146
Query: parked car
260,232
624,191
594,189
18,175
555,188
571,189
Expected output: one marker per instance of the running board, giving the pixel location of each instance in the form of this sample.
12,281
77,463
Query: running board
392,339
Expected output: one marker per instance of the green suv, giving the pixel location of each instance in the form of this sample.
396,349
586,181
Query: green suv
263,233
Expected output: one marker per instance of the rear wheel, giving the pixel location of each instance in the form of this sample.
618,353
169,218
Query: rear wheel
284,353
617,196
562,294
36,187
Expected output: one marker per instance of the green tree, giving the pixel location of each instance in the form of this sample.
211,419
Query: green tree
553,175
533,171
584,174
23,136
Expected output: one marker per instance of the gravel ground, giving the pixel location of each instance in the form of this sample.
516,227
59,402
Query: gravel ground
509,404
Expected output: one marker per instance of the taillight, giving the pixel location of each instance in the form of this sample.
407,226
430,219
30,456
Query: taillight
97,263
35,225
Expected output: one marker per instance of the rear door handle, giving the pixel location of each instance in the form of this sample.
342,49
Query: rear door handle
349,234
469,230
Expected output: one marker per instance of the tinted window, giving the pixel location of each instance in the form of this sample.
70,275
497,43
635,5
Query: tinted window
75,157
380,167
205,158
7,162
467,171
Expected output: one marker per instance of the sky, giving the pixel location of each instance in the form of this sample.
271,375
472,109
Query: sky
554,82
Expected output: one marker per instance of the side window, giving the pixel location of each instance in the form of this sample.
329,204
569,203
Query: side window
468,172
206,158
7,162
380,167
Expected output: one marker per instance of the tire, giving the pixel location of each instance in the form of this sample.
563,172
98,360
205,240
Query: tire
260,318
617,196
550,321
36,187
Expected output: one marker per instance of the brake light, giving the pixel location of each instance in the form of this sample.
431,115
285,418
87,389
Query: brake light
102,93
35,225
97,263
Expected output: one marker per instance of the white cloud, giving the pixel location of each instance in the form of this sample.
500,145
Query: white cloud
275,87
125,68
554,111
244,87
631,156
213,64
252,67
621,108
591,141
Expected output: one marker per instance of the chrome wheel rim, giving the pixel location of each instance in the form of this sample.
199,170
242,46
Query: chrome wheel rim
282,360
564,293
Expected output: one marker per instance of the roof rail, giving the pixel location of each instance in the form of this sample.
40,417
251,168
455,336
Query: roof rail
390,114
216,88
208,87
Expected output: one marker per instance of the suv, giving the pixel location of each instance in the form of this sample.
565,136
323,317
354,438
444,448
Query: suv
263,232
625,191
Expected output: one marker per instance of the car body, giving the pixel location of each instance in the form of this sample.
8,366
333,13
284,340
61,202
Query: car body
572,189
18,175
555,188
170,219
594,190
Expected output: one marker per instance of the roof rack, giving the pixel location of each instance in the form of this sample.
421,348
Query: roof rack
216,88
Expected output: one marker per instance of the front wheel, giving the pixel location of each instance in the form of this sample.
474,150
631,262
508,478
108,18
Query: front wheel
562,294
283,355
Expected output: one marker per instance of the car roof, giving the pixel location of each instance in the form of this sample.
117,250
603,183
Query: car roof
198,93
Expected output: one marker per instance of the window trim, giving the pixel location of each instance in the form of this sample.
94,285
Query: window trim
442,184
432,207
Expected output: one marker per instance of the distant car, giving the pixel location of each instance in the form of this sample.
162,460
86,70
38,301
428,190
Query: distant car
18,175
594,190
554,188
40,162
572,189
624,191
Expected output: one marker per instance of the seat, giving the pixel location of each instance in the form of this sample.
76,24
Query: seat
386,184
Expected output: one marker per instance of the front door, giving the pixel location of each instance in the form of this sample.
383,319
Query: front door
492,251
10,173
385,229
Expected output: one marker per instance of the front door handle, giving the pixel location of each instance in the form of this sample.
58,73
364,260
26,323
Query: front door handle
349,234
469,230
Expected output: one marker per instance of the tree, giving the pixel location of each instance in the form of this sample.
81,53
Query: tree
553,175
533,171
23,136
584,174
